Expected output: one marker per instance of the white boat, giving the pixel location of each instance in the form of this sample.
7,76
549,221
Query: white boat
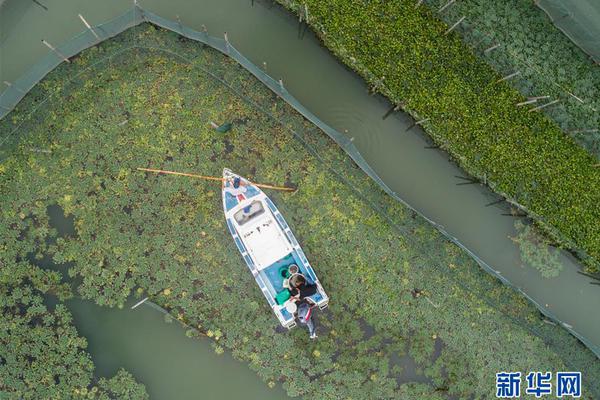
266,243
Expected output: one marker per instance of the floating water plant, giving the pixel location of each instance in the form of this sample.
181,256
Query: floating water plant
166,235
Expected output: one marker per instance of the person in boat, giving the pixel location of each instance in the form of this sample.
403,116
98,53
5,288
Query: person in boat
236,188
300,288
304,315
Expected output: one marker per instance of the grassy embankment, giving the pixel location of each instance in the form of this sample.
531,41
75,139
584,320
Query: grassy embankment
165,236
404,53
550,64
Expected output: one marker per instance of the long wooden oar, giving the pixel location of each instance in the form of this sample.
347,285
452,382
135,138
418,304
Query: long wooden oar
211,178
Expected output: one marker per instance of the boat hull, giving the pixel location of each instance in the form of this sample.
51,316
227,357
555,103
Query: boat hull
266,243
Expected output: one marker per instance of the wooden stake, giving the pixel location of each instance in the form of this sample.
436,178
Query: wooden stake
179,22
306,13
584,131
211,178
494,202
7,83
578,99
88,26
544,105
226,41
56,51
455,25
527,102
491,48
508,76
448,4
139,303
40,4
417,123
391,110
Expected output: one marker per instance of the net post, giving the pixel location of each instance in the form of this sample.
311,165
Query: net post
264,66
88,26
448,4
281,85
7,83
61,55
508,76
491,48
226,42
544,105
455,25
179,23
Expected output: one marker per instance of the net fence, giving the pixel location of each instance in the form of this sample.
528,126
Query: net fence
128,24
579,20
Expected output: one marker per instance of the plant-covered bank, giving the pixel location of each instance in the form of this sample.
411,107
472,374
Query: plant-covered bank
403,51
401,293
549,64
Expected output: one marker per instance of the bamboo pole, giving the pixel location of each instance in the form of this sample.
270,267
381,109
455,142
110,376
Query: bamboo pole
211,178
61,55
455,25
88,26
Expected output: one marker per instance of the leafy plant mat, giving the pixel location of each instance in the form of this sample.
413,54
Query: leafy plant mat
145,99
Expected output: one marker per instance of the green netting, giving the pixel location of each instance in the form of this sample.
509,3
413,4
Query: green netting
39,94
579,20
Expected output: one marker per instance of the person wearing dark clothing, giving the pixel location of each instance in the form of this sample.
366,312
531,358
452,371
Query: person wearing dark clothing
300,288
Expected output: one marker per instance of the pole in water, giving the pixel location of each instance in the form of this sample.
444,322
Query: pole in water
204,29
391,110
139,303
281,84
56,51
226,41
527,102
448,4
508,76
265,66
544,105
417,123
494,202
88,26
491,48
7,83
179,22
455,25
40,4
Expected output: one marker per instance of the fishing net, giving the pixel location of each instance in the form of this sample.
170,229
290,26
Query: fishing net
578,19
136,44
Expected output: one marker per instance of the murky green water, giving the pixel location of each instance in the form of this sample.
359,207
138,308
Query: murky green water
423,177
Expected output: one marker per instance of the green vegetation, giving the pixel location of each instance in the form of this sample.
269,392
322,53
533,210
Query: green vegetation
116,108
403,51
41,356
535,250
550,64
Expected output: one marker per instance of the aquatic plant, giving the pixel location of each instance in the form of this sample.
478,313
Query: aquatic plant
549,63
536,251
43,357
407,54
150,105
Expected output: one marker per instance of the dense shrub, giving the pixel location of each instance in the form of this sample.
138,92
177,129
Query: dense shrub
404,52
